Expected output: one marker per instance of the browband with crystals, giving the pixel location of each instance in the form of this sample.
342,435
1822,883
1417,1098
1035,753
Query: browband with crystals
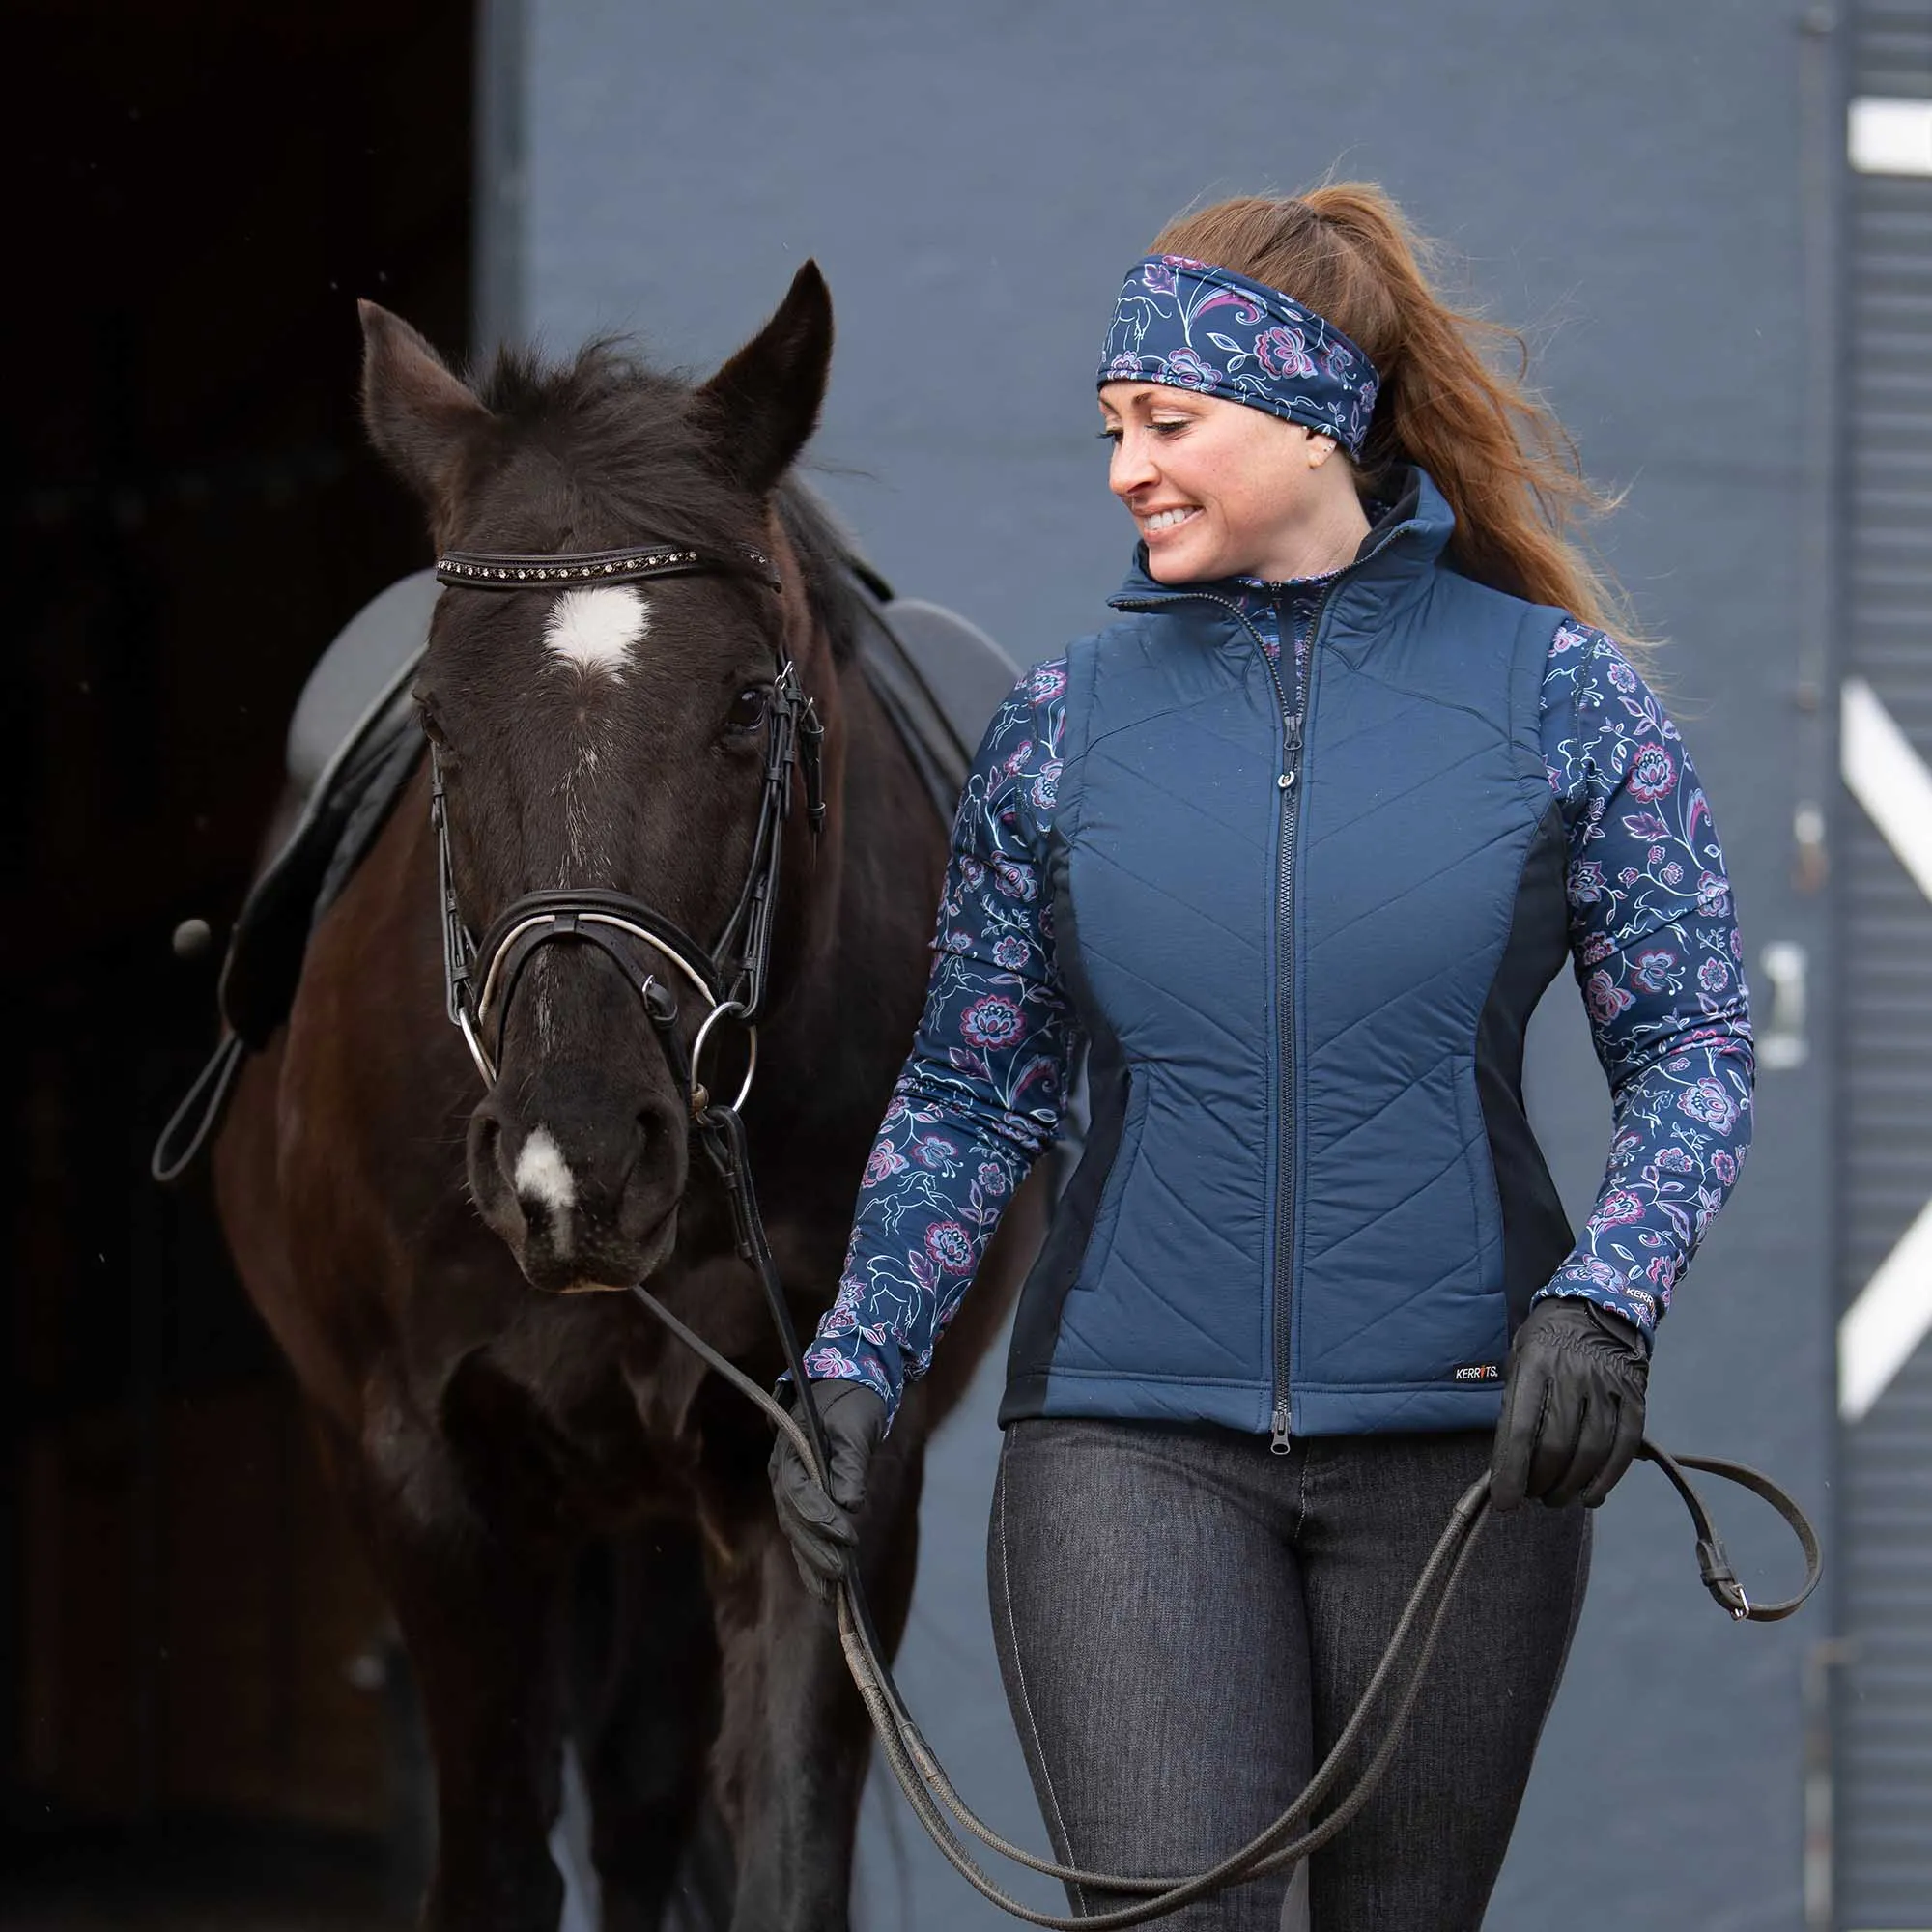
493,570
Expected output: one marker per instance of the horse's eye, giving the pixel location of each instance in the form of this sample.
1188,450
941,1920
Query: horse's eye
749,708
432,730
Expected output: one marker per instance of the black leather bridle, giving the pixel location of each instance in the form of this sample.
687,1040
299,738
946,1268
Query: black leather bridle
730,976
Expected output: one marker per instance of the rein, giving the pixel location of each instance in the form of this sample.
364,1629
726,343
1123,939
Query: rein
730,976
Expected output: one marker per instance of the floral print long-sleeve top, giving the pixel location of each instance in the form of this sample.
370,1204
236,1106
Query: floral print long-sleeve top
1652,936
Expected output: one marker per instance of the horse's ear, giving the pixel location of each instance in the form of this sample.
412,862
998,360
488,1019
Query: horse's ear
421,416
764,402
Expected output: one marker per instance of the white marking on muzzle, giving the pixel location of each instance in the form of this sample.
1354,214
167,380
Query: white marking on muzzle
595,629
543,1175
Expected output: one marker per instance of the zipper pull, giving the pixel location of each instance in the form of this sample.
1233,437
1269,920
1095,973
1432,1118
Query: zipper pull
1291,752
1278,1443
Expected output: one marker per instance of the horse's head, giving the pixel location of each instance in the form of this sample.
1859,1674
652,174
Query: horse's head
604,737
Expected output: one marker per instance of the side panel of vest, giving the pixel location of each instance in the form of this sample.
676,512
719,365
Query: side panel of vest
1169,819
1424,790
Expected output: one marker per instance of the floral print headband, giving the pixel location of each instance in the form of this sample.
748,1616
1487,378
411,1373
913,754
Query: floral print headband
1192,325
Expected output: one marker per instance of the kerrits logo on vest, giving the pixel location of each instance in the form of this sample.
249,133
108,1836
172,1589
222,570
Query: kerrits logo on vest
1479,1372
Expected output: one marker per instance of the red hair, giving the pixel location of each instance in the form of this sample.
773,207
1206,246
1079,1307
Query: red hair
1505,463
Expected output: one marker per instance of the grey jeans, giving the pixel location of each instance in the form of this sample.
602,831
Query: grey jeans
1185,1622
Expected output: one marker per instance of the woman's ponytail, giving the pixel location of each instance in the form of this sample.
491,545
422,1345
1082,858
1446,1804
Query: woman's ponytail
1505,465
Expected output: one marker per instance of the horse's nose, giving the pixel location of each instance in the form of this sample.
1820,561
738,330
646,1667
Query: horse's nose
546,1188
577,1196
520,1177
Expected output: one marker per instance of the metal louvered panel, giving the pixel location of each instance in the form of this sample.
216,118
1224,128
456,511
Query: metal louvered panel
1885,1734
1891,51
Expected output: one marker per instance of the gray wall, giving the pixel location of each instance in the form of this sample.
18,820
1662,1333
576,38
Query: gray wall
1645,187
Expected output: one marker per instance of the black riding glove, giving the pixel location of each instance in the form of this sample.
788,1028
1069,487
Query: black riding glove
821,1528
1572,1405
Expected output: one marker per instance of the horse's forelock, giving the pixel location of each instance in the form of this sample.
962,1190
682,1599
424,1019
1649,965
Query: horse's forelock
620,443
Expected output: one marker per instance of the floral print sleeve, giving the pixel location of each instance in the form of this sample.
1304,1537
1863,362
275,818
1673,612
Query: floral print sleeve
980,1096
1659,959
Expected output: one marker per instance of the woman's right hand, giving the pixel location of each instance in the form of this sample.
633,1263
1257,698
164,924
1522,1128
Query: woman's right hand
823,1530
1572,1405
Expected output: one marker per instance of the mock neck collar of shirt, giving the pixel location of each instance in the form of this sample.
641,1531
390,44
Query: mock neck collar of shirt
1407,531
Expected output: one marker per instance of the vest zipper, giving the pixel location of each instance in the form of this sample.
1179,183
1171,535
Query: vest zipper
1284,926
1288,783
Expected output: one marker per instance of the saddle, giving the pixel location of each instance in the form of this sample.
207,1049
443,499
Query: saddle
352,747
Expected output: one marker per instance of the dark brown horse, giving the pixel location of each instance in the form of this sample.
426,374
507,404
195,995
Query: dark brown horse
568,1514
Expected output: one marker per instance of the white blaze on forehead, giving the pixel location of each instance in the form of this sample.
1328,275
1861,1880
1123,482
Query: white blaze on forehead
594,628
542,1172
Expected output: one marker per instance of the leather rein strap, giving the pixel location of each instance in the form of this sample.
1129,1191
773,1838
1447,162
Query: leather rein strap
730,976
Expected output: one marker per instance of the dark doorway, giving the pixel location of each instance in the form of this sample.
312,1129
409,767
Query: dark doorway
190,1649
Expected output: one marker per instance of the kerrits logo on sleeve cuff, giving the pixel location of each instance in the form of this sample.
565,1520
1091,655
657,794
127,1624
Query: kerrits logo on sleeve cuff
1479,1372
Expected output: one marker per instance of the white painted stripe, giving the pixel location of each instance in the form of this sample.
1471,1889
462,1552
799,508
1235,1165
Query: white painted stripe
1888,778
1890,137
595,629
543,1173
1893,1315
1884,1326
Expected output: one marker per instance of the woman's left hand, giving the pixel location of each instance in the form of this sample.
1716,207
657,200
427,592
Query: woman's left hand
1572,1406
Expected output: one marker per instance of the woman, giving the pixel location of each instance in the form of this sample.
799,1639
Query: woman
1293,847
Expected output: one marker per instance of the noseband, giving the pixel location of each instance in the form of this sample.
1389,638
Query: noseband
731,976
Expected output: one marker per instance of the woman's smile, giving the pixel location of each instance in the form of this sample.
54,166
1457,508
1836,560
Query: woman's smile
1218,490
1155,523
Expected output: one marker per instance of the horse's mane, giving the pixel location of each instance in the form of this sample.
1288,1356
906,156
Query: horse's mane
632,436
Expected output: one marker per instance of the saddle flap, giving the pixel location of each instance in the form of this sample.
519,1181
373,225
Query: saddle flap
351,746
362,662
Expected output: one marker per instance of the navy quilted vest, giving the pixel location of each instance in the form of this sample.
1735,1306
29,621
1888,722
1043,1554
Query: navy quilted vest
1304,952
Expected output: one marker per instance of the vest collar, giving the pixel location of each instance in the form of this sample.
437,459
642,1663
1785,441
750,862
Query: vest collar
1394,561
